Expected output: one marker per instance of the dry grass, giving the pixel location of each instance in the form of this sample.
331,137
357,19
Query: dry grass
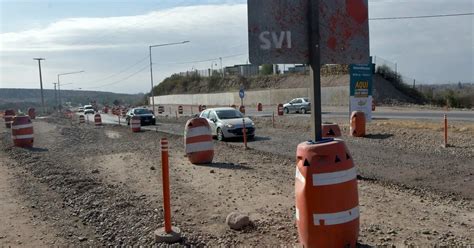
460,127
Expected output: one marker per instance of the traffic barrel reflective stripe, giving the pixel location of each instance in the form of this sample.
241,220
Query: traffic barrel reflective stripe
327,202
135,124
97,120
8,117
280,109
82,119
331,130
357,124
199,146
22,131
32,113
180,109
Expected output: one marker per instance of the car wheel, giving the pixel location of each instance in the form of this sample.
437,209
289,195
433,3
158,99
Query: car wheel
287,111
220,135
303,111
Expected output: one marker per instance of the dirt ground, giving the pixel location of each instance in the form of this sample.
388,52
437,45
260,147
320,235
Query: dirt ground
83,185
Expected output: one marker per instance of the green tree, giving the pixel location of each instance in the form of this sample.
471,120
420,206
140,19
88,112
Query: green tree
266,69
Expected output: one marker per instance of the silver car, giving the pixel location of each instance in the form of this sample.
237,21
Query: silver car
228,123
297,105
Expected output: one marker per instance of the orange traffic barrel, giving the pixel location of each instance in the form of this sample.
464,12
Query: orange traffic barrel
161,109
32,113
106,110
203,107
135,124
198,143
124,112
8,117
327,201
357,125
331,130
97,120
22,131
233,106
242,109
280,109
82,119
259,107
180,109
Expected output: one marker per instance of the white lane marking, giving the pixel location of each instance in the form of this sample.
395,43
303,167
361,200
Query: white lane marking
334,177
297,214
198,131
26,136
199,147
299,176
22,126
337,218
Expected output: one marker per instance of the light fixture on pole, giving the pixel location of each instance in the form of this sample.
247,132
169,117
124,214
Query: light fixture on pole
41,84
151,67
59,85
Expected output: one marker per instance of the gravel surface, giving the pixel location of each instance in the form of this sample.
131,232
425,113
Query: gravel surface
101,186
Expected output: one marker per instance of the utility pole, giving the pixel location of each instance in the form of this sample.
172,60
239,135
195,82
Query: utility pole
55,95
41,84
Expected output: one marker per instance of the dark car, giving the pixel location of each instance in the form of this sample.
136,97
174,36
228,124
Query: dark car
147,117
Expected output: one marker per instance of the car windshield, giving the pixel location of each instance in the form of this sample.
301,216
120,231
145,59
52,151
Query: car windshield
142,111
89,107
306,99
228,114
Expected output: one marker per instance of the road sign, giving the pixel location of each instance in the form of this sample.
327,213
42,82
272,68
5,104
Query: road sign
241,93
279,31
361,89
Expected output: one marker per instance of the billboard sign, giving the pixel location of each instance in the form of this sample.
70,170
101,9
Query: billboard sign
361,88
279,31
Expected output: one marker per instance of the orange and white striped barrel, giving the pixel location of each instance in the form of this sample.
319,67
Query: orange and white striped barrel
242,109
8,117
135,124
97,120
280,109
357,125
82,119
327,201
161,109
198,143
331,130
259,107
124,112
180,109
32,113
22,131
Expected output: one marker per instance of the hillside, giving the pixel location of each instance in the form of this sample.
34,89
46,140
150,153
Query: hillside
24,98
384,91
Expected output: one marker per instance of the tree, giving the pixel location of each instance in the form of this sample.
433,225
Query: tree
266,69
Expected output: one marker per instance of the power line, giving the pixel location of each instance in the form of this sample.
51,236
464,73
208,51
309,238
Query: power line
204,60
419,17
122,79
122,70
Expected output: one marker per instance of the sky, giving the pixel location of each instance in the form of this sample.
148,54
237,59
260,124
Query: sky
109,40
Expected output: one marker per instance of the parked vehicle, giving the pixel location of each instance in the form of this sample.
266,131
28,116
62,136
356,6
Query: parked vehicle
297,105
80,110
147,117
88,109
228,123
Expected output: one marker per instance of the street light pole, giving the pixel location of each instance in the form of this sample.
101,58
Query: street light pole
41,83
59,86
55,95
151,68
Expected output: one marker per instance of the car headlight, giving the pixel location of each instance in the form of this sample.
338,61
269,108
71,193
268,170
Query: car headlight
252,124
153,117
229,125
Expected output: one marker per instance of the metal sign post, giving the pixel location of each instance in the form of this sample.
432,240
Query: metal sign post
241,95
315,70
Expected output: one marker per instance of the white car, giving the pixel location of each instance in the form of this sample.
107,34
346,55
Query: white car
88,109
228,123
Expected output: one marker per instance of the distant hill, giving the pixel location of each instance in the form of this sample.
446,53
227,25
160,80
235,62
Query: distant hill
24,98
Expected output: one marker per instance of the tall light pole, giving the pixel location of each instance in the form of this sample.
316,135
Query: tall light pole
55,95
41,83
59,85
151,67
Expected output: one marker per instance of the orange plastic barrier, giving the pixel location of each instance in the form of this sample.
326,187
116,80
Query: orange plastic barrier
331,130
242,109
97,120
8,117
199,146
106,110
233,106
82,119
135,124
259,107
357,126
327,201
280,109
180,109
161,109
32,113
124,112
22,131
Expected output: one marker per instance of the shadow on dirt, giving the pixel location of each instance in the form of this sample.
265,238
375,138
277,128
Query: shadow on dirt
37,149
240,139
231,166
379,136
359,245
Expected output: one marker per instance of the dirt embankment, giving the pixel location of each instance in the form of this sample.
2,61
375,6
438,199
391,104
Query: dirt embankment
101,186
